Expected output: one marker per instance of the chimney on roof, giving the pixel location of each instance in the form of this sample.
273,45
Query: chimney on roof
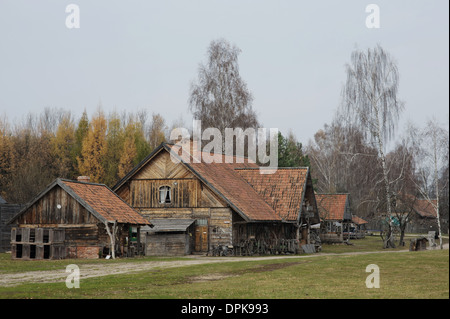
84,179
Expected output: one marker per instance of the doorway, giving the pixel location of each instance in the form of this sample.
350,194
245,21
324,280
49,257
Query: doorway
201,235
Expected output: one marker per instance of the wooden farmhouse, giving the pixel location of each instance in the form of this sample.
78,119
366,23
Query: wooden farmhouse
420,213
73,219
197,206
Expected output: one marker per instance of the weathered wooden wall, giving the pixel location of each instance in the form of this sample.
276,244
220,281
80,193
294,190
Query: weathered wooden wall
90,241
168,244
218,222
84,235
54,208
145,193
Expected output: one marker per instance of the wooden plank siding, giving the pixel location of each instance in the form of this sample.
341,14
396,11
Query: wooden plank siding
54,208
162,167
145,193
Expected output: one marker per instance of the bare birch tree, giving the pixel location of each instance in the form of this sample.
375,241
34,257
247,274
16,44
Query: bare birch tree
220,98
370,101
431,146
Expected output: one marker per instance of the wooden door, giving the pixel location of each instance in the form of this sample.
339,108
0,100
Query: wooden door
201,238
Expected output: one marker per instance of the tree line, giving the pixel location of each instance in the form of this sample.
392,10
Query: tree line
42,147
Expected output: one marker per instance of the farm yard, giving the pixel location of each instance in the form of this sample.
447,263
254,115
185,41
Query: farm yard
339,271
221,151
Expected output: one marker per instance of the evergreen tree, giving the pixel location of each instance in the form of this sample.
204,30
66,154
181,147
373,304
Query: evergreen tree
290,153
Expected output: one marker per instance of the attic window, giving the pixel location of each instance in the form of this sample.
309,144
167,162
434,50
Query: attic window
165,194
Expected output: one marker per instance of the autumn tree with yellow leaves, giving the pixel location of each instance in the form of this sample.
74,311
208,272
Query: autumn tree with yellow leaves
94,149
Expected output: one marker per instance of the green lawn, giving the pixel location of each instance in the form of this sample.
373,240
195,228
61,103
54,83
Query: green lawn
402,275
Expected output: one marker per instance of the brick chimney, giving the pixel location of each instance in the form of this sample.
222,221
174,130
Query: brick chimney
84,179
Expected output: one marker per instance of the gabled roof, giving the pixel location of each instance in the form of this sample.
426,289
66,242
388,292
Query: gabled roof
105,202
98,199
254,196
423,207
332,206
226,182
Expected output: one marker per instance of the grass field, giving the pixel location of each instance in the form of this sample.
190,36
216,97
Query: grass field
402,275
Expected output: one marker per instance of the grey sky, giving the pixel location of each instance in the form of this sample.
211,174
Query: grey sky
144,54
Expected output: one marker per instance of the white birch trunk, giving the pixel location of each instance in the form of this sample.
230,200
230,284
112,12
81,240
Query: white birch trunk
436,180
112,238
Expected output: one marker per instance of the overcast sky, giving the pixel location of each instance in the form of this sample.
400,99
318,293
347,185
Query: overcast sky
132,55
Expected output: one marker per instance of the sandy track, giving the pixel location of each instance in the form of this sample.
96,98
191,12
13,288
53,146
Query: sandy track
98,270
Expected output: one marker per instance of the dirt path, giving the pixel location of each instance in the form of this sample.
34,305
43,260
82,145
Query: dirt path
98,270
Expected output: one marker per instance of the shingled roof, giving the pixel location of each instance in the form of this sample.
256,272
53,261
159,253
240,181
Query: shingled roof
282,190
223,178
105,202
254,196
332,206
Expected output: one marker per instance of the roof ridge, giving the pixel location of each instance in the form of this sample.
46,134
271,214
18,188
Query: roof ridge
79,182
271,168
332,193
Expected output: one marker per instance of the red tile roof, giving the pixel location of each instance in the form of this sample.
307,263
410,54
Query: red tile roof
105,202
226,179
282,190
331,206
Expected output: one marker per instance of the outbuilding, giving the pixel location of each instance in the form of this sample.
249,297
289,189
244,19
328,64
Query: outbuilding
74,219
169,237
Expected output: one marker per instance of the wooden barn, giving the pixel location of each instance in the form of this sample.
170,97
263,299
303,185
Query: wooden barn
419,214
73,219
424,218
219,204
